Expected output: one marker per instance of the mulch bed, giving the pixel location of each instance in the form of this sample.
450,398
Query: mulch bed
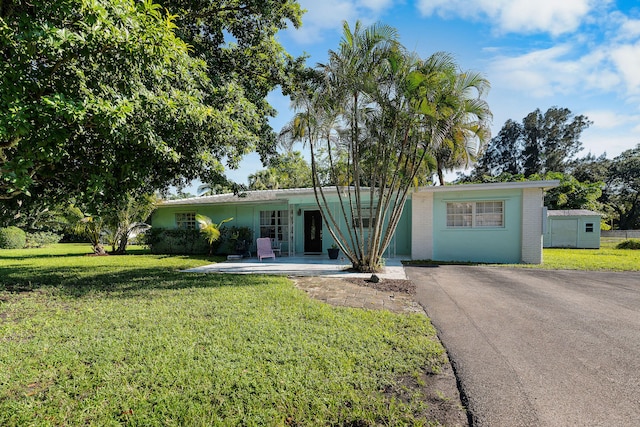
387,285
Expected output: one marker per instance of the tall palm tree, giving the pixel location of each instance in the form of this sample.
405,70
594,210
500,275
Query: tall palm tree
388,111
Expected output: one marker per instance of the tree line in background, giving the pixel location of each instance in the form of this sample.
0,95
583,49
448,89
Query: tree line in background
545,146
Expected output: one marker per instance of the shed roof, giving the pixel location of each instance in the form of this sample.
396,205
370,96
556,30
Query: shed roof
572,212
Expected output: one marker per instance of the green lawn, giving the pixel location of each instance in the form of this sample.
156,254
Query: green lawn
605,258
130,340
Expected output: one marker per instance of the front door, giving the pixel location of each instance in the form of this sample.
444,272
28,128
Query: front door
312,231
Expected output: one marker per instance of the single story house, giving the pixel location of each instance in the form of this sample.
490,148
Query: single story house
497,222
572,228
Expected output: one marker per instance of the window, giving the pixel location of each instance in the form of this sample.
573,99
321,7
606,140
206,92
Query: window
588,227
366,215
488,214
274,224
475,214
459,214
186,220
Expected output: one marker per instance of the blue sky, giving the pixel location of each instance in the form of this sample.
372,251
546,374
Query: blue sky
580,54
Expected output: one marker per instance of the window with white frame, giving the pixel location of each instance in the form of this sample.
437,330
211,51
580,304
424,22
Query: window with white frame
366,215
475,214
459,214
186,220
274,224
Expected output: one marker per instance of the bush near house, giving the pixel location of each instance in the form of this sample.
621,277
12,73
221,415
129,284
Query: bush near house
180,241
629,244
12,238
40,239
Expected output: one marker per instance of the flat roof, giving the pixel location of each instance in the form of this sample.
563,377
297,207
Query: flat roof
281,195
491,186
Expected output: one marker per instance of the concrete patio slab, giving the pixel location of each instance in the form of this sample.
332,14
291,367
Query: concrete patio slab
300,266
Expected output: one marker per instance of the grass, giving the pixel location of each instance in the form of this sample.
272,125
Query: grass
606,258
131,340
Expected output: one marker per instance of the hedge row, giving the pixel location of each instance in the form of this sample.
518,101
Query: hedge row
180,241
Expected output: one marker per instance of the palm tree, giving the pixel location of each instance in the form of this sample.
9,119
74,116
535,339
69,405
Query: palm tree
210,229
468,130
263,179
376,116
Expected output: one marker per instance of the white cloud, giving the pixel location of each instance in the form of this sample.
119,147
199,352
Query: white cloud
613,142
517,16
572,68
608,119
375,5
623,27
539,73
627,61
328,15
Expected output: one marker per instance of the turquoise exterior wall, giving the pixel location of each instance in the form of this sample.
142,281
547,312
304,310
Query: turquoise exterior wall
248,215
400,245
244,215
486,244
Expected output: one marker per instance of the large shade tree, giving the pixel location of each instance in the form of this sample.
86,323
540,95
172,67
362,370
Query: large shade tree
623,188
541,143
238,41
376,113
104,97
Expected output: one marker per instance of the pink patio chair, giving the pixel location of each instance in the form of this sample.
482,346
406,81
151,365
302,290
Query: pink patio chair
264,248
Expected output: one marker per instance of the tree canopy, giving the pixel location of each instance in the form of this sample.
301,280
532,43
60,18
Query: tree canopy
541,143
287,170
104,97
545,146
623,188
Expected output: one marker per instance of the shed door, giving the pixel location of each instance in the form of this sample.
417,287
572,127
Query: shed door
564,233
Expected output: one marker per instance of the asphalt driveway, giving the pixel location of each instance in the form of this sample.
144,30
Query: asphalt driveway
539,347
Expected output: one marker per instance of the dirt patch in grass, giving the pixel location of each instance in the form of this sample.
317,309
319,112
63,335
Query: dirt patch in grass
387,285
439,393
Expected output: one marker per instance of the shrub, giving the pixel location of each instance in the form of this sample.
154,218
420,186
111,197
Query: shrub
12,238
629,244
178,241
40,239
235,240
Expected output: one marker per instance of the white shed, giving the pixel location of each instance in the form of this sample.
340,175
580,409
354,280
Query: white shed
572,228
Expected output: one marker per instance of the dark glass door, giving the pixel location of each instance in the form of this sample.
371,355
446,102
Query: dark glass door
312,231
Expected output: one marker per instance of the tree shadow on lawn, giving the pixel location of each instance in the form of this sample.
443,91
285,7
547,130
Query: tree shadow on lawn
79,282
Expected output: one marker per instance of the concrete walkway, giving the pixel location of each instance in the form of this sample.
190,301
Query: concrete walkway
300,266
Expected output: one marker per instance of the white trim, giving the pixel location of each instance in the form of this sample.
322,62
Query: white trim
490,186
281,196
